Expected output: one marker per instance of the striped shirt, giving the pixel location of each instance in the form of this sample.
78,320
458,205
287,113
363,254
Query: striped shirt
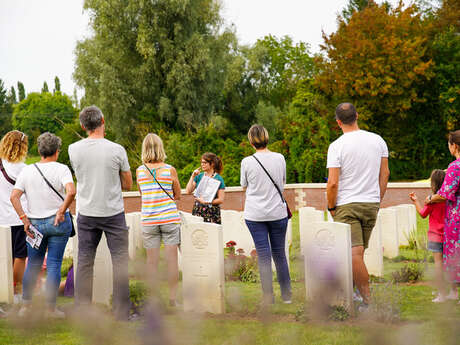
157,207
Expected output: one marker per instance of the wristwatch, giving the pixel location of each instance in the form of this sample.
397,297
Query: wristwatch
332,208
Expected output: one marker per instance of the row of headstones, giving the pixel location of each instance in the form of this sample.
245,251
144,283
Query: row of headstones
324,245
326,248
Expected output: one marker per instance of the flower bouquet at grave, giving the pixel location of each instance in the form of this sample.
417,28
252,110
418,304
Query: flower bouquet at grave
238,266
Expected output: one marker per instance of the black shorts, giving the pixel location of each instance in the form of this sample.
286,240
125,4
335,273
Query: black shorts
18,241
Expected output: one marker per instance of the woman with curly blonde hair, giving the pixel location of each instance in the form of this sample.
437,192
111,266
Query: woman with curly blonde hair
13,152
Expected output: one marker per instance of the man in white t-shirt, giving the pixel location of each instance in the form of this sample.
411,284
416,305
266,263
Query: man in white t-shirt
102,171
357,181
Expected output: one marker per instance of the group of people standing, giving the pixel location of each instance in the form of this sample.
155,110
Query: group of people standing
38,196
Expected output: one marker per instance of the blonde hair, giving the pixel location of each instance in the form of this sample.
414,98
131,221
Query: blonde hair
152,149
13,146
258,136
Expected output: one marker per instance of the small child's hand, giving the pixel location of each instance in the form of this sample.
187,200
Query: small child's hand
413,196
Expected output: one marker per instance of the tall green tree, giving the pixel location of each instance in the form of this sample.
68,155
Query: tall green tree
12,96
21,91
45,87
41,112
162,62
57,85
6,110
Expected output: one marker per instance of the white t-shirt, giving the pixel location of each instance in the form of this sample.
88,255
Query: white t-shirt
358,154
97,164
263,202
41,199
8,215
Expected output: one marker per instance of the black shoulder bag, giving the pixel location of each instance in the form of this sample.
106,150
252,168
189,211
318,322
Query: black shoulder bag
9,179
289,213
72,234
158,183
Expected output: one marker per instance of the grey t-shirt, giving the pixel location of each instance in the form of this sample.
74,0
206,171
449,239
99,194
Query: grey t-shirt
263,202
97,164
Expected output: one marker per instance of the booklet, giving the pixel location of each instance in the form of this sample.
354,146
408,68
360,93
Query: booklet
38,236
207,189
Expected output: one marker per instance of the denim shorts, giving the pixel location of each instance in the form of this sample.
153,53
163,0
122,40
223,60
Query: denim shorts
435,247
153,234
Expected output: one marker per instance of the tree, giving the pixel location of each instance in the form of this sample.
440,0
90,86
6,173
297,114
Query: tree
306,136
57,85
162,62
21,91
41,112
45,87
278,66
6,110
12,96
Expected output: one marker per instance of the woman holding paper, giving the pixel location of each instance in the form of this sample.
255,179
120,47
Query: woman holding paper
47,219
209,188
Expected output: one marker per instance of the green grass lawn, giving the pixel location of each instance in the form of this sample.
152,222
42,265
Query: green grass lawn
403,314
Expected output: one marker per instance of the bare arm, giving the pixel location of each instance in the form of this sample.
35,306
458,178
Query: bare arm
191,185
434,199
220,197
418,205
126,180
332,187
384,175
69,197
175,184
16,202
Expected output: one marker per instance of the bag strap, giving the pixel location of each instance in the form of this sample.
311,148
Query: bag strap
9,179
271,179
158,183
48,182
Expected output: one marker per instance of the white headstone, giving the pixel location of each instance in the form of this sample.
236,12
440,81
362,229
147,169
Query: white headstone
373,255
235,229
402,212
6,265
307,216
390,235
328,266
68,252
103,274
138,239
412,217
329,217
203,281
132,235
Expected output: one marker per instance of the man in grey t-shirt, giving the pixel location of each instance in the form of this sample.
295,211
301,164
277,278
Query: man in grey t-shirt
102,171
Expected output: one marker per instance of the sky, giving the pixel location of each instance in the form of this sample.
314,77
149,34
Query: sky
38,38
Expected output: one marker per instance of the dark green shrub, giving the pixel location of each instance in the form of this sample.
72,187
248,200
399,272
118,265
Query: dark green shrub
409,273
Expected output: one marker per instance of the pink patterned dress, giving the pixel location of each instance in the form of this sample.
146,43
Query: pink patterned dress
451,191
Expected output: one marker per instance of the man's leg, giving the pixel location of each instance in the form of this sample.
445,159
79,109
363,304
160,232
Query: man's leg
88,239
116,232
360,274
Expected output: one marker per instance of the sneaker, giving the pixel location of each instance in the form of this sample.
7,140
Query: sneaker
439,299
357,296
453,294
363,308
55,314
287,301
23,311
17,299
2,313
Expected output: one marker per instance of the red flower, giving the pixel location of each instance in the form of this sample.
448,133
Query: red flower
230,244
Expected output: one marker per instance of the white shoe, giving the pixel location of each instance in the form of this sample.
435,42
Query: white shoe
439,299
55,314
17,299
23,311
453,294
288,301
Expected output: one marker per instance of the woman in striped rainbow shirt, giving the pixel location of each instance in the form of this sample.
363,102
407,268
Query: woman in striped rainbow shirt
159,187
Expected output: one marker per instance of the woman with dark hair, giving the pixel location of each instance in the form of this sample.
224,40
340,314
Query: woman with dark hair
263,175
48,214
212,167
13,152
450,192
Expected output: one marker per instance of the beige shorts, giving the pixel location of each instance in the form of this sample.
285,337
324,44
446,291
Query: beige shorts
362,217
154,234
